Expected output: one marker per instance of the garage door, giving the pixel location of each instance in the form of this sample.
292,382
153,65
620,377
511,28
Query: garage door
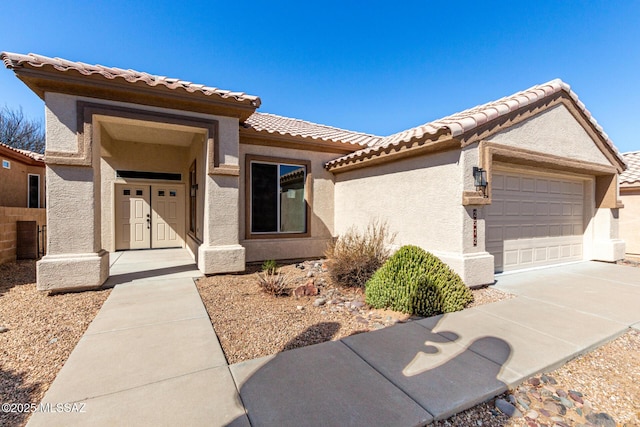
534,221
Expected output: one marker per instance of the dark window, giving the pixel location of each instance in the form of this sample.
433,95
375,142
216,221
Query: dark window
160,193
126,192
277,198
34,191
193,188
149,175
172,193
138,192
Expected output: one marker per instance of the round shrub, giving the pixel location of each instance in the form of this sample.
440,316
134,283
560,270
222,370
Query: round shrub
415,281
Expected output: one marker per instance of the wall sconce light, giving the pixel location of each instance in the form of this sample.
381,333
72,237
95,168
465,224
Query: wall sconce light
480,180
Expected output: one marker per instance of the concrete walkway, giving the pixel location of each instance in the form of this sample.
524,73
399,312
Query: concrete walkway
151,357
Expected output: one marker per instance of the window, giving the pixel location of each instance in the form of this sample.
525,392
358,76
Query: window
34,191
193,188
278,197
6,164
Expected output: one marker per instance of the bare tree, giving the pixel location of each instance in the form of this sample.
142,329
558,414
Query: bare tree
18,131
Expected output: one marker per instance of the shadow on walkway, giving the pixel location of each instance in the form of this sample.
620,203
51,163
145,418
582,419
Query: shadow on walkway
404,375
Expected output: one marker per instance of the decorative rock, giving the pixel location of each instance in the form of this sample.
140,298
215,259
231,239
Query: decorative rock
508,409
3,329
534,382
300,266
310,274
522,401
53,340
601,419
319,301
566,402
299,307
532,415
545,412
576,397
308,289
548,380
560,392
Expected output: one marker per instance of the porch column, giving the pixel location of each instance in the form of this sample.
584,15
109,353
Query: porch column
75,259
220,251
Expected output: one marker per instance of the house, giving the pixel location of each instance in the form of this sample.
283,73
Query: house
142,161
21,178
630,196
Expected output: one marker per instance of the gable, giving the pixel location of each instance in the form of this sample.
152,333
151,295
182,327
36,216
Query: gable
554,131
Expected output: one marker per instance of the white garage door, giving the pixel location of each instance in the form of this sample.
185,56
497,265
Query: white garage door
534,221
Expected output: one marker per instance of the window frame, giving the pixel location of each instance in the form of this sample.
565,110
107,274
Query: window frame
29,190
193,199
251,158
6,164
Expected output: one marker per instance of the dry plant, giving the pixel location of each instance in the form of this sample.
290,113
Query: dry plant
274,282
355,256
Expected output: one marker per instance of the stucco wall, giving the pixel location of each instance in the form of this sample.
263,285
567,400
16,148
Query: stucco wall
419,197
14,183
629,220
322,215
554,131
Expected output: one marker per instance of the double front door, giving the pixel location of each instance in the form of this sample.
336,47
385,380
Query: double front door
149,216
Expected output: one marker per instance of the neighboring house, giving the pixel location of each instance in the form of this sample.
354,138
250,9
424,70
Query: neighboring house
630,196
21,178
140,161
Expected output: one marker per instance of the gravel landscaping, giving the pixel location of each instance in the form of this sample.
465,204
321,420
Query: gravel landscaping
251,323
40,331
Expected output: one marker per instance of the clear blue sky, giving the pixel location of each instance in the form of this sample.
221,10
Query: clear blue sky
378,67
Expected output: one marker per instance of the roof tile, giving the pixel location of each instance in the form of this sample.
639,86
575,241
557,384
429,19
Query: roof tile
15,60
460,123
632,175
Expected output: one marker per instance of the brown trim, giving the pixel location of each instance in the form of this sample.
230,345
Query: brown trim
41,80
440,142
490,152
251,137
85,112
308,196
500,124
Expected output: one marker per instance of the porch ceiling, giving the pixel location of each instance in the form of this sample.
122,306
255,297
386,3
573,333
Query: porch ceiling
121,129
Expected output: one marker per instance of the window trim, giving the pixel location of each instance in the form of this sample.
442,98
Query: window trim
29,190
248,234
193,198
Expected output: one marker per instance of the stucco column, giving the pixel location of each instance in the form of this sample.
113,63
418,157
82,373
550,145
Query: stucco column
606,244
75,259
220,251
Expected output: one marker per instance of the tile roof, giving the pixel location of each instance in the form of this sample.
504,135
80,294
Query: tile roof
273,124
632,174
465,121
15,60
32,155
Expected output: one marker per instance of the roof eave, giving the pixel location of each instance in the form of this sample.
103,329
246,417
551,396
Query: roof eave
71,82
253,136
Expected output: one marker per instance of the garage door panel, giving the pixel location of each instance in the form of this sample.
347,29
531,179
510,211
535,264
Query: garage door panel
534,221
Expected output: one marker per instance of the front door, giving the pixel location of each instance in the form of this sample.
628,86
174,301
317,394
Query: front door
149,216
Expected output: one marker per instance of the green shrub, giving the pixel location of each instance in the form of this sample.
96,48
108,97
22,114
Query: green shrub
417,282
270,266
354,257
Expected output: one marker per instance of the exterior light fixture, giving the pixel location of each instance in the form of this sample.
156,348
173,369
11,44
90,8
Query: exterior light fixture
480,180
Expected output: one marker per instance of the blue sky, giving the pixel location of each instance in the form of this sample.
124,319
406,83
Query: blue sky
378,67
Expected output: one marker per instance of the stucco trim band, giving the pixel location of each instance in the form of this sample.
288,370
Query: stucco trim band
491,151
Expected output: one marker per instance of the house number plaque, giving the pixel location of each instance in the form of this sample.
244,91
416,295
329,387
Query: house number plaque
475,227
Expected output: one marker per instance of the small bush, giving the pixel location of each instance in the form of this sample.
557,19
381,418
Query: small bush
269,266
274,283
354,257
417,282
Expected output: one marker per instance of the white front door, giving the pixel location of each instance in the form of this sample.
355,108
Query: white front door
149,216
133,217
167,216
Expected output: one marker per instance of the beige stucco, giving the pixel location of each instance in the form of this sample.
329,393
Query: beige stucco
554,131
630,219
79,242
320,198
